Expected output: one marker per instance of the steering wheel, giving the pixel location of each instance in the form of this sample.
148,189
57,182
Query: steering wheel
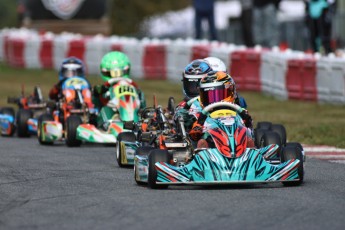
190,102
113,81
222,104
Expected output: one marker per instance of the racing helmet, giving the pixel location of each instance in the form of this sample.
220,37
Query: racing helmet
71,67
192,75
115,64
217,86
216,64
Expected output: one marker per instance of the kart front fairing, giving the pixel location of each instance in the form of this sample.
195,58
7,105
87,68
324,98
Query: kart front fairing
229,161
209,166
124,100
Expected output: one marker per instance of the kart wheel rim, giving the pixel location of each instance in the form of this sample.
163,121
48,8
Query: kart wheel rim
118,151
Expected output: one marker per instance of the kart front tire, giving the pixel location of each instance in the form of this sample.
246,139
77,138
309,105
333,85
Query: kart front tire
144,150
72,123
8,111
43,117
156,155
293,152
23,116
124,136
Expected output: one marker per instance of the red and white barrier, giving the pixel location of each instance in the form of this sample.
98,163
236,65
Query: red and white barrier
283,74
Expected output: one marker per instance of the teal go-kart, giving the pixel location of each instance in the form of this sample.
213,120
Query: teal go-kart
24,123
226,161
154,122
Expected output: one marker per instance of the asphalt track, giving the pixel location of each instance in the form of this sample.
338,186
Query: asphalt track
55,187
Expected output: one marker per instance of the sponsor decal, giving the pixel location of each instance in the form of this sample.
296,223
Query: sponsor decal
64,9
208,89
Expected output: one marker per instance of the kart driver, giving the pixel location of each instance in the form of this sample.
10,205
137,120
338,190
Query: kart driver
114,64
216,87
70,67
189,109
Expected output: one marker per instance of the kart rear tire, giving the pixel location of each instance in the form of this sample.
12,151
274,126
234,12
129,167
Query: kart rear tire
72,123
124,136
280,129
43,117
9,111
156,155
270,138
293,152
23,115
258,134
264,125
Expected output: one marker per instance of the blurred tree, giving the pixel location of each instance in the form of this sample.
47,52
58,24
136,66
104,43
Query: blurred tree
8,13
126,16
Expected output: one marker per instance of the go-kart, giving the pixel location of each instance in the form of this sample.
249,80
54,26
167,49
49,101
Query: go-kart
29,109
73,108
143,135
227,160
123,105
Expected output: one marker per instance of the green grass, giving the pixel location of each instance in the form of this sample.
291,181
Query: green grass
306,122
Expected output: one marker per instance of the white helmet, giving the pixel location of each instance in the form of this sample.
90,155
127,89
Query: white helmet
216,64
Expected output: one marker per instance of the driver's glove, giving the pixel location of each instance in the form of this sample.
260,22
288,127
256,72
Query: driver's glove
247,119
196,131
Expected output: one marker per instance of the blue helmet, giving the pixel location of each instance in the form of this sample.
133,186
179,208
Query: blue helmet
192,75
71,67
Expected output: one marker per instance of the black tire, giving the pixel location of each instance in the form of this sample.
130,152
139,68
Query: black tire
258,134
280,129
264,125
124,136
138,182
171,105
144,150
72,123
297,144
156,155
9,111
271,137
23,115
43,117
293,152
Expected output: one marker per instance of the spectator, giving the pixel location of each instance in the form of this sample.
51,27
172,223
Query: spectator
204,9
247,22
319,18
265,23
20,12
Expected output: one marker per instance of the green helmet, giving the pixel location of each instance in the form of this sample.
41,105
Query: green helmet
115,64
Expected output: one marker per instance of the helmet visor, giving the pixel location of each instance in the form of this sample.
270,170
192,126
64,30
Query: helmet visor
211,95
72,70
191,86
114,73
